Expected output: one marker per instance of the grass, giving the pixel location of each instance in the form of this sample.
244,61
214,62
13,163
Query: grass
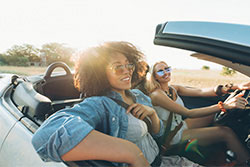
205,78
26,71
195,78
22,70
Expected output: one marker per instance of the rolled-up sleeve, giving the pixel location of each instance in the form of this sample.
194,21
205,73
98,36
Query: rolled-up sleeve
161,132
63,130
59,135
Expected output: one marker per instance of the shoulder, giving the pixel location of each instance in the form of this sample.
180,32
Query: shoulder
96,103
177,88
156,93
137,92
96,99
141,96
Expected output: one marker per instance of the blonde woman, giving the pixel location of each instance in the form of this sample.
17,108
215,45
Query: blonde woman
166,99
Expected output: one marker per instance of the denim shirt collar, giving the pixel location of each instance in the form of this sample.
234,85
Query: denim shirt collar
117,96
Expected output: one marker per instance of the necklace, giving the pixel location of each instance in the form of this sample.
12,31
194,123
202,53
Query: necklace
169,93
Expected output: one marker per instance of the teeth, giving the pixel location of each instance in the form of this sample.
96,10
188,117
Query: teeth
125,79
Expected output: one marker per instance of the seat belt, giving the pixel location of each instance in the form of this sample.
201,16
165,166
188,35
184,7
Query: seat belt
167,129
166,144
166,137
147,120
168,134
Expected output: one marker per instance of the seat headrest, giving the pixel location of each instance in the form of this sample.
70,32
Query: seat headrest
36,105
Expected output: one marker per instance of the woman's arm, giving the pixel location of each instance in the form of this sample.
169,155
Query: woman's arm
192,91
99,146
159,98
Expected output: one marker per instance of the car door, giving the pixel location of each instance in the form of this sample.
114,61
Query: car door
15,136
7,121
17,149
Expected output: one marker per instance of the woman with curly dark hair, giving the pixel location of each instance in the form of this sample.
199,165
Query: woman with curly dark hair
101,127
90,77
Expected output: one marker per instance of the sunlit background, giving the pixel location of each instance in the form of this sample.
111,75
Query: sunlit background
83,23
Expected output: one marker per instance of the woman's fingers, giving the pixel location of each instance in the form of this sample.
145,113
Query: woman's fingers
131,107
135,109
241,102
138,110
244,86
237,102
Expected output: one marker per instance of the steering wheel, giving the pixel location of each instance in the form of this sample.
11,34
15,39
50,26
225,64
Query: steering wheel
56,65
222,117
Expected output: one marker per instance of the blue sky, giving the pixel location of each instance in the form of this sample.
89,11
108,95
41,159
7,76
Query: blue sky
83,23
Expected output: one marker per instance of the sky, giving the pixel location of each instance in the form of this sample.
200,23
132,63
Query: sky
84,23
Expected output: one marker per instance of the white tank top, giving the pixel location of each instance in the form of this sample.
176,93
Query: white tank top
177,119
138,134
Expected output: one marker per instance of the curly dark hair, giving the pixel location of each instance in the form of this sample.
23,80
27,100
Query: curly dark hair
90,70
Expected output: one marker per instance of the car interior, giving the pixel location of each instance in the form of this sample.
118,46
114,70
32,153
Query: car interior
44,96
48,93
32,99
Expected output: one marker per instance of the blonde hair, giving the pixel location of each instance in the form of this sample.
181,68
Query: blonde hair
152,83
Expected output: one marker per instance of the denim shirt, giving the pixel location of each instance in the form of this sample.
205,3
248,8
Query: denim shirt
63,130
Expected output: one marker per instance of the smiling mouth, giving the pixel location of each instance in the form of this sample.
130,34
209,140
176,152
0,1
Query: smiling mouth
167,76
125,79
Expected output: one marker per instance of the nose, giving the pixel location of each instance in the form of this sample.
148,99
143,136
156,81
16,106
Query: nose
126,70
165,72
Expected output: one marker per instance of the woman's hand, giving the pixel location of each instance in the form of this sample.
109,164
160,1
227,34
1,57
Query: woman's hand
244,86
236,102
140,111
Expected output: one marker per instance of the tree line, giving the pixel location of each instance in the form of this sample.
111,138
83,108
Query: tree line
26,55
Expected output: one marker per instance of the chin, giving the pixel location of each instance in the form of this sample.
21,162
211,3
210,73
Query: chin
124,87
127,87
168,79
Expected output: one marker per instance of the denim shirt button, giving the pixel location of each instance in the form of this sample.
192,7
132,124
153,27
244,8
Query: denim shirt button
113,119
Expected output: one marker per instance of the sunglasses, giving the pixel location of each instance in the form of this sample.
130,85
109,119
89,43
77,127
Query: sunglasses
119,69
162,72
